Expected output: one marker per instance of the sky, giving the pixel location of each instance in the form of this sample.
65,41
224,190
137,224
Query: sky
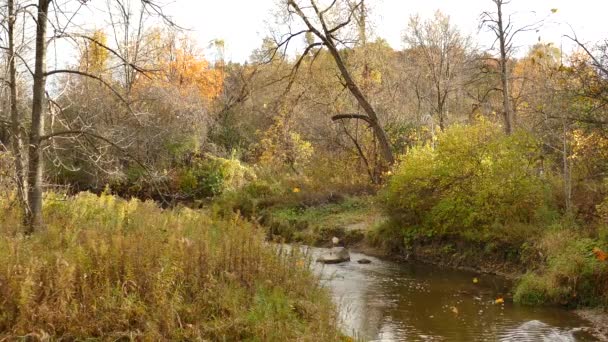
242,24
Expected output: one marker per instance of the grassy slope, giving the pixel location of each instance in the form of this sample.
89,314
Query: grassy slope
108,268
348,219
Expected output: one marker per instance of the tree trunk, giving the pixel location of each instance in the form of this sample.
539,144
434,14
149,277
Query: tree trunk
16,128
440,109
504,75
385,147
328,40
35,172
567,173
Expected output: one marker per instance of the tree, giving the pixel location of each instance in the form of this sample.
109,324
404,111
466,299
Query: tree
505,31
37,137
542,97
94,57
439,53
326,25
17,145
35,171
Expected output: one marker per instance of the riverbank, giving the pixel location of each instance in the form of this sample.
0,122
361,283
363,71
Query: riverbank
359,222
599,321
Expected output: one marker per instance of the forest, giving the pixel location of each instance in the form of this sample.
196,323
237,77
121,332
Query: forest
149,185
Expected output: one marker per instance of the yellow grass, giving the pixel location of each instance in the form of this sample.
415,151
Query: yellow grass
108,269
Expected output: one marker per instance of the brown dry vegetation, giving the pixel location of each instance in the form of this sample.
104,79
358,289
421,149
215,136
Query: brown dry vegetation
109,268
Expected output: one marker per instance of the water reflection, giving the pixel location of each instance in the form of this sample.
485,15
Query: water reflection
385,301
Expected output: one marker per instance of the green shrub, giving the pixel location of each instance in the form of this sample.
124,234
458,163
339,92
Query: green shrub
572,275
249,200
474,184
534,290
211,176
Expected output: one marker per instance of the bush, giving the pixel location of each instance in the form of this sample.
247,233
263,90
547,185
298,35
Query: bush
248,200
211,176
7,175
572,274
106,268
475,184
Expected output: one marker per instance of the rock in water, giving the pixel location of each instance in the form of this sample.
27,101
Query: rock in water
335,255
364,261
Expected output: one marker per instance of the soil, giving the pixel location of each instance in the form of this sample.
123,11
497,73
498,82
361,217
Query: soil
599,320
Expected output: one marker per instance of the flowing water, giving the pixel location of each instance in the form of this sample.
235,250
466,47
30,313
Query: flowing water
387,301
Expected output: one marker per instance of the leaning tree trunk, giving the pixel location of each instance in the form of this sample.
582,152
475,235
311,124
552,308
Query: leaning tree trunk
383,142
327,37
16,124
35,172
567,168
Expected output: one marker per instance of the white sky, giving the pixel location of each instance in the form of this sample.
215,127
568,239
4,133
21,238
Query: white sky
243,23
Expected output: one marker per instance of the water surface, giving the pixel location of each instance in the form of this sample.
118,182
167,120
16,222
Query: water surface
387,301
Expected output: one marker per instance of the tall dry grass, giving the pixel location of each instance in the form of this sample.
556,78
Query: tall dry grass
112,269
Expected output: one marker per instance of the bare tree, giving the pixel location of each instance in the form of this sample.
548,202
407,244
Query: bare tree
17,146
326,24
35,171
37,137
505,31
441,55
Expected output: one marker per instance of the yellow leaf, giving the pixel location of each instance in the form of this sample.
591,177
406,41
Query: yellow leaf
475,280
296,190
554,10
455,310
499,300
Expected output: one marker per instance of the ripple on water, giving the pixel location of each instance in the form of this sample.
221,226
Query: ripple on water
385,301
537,331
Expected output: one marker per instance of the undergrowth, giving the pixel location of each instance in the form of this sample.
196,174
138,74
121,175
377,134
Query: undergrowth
570,275
113,269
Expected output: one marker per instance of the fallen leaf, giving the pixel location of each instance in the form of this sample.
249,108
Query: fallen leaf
499,300
475,280
455,310
600,255
554,10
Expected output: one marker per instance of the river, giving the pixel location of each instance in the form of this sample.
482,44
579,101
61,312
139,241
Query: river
388,301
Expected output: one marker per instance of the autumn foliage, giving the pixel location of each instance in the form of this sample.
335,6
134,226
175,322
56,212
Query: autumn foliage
108,268
187,72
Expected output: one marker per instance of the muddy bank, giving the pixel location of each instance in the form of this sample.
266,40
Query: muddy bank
599,320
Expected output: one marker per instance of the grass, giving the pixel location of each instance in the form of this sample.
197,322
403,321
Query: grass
107,269
347,219
302,209
570,274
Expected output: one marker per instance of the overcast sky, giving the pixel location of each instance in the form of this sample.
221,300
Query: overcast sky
243,23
